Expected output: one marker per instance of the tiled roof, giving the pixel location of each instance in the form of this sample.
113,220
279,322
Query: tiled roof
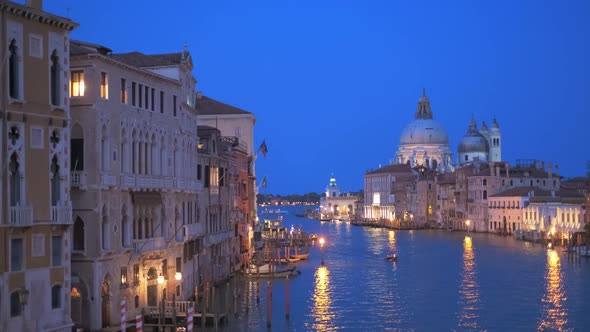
80,48
576,183
522,192
447,178
396,168
139,60
209,106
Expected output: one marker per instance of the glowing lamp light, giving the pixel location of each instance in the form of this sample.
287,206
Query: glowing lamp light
178,276
160,279
322,241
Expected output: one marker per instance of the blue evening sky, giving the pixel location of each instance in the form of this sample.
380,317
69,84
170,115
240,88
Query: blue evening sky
333,83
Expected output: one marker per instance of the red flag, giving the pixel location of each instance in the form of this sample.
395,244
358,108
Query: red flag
263,148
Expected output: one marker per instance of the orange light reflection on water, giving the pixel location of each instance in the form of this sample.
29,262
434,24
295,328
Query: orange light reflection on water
554,313
322,301
392,245
468,289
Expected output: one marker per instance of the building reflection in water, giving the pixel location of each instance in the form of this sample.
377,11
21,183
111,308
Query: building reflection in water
322,302
554,317
469,302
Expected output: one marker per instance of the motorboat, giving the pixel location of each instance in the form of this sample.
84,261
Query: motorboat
265,270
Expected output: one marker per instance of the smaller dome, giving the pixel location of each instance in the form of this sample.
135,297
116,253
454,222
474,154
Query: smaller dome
473,141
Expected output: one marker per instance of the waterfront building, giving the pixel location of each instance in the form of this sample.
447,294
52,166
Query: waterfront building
36,206
446,200
505,209
218,171
480,144
337,205
236,125
557,217
386,195
426,193
424,141
134,186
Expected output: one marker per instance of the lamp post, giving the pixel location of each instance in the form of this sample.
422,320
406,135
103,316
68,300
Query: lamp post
322,249
467,222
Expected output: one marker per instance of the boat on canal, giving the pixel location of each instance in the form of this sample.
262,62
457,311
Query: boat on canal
268,271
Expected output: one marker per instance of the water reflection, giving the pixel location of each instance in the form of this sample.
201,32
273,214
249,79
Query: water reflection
392,245
468,289
554,312
322,301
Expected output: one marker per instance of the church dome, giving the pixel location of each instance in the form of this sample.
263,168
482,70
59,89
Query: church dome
473,140
424,131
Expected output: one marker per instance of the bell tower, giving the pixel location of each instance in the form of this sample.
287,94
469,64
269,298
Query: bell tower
495,142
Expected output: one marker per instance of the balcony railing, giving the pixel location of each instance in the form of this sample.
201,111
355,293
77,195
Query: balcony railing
78,179
61,214
20,215
146,182
108,180
147,245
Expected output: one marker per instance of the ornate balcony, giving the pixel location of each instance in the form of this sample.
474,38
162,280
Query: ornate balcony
147,245
78,179
108,180
20,216
61,214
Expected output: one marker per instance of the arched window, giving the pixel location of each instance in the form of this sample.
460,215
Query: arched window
55,182
79,234
15,305
105,229
124,228
123,159
55,79
77,148
163,164
15,180
13,70
136,301
56,297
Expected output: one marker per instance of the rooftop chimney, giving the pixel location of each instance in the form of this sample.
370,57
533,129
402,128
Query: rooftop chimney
37,4
549,169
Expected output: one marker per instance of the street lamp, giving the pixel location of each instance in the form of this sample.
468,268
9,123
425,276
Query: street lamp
322,248
160,279
178,276
467,222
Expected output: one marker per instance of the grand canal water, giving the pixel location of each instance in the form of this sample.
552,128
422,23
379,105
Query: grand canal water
443,281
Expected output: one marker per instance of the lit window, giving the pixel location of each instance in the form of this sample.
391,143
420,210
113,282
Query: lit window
123,276
123,91
77,84
104,85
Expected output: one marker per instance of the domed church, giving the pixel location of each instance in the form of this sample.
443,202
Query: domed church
480,144
424,141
